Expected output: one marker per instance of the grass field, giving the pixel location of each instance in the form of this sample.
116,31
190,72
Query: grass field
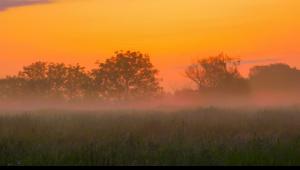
189,137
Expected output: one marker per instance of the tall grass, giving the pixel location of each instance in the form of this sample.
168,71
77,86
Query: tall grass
189,137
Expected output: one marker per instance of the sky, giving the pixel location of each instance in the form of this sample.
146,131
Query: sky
174,33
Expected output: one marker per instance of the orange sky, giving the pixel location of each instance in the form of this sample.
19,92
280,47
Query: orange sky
173,32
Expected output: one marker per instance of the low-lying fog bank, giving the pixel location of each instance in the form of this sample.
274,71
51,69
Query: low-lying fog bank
164,103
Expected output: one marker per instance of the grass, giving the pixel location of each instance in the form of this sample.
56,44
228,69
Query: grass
189,137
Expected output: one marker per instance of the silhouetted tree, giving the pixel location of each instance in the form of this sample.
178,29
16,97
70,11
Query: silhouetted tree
35,71
275,78
128,75
56,77
217,74
57,81
76,82
35,76
12,87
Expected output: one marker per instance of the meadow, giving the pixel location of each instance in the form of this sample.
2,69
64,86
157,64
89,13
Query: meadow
204,136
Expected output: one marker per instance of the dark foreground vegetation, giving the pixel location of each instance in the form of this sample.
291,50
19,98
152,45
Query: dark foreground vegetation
191,137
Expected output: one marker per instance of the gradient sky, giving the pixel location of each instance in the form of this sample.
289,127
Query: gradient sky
173,32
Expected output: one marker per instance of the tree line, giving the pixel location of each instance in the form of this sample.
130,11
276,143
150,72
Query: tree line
219,75
131,76
125,76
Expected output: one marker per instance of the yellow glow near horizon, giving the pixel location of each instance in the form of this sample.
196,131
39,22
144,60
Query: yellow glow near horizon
173,32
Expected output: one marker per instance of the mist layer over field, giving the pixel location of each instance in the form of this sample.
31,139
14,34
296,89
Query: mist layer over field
170,103
187,137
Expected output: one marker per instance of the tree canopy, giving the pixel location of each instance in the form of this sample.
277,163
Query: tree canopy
217,74
275,77
127,75
44,80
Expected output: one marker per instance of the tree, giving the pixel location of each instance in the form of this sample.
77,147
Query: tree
12,87
128,75
35,71
56,77
54,81
217,74
76,82
35,76
275,78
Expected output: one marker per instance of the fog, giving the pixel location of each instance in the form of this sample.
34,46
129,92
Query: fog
170,102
